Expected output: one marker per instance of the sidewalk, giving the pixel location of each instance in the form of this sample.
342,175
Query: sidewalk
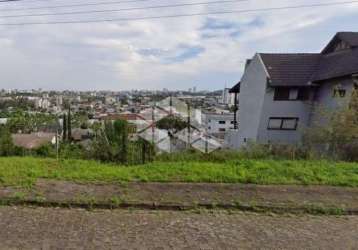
177,196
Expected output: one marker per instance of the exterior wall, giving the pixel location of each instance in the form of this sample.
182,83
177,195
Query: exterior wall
252,93
324,100
213,126
292,109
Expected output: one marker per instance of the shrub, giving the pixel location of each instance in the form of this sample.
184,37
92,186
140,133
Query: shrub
45,151
337,136
7,147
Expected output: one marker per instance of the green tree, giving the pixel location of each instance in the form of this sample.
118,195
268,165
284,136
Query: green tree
172,123
111,144
64,124
121,139
69,125
7,147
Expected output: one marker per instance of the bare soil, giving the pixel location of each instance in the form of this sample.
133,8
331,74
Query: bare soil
188,194
51,228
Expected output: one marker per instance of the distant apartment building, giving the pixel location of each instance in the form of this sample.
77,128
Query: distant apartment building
279,94
227,98
109,100
59,100
217,124
42,103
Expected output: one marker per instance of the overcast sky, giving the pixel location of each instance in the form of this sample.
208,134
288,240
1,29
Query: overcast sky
204,51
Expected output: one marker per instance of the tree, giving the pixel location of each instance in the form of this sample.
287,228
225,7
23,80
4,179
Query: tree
7,147
64,124
121,139
172,123
111,144
69,125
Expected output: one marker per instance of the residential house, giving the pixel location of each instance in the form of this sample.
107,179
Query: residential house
3,121
34,140
279,94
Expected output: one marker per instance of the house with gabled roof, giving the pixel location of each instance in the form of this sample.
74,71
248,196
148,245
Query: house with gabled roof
279,93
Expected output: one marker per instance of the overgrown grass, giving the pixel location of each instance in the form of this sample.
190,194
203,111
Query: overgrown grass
18,171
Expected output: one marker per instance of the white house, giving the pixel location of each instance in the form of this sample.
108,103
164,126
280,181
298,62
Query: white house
279,93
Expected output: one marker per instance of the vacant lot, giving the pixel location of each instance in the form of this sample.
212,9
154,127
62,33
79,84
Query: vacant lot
26,171
49,228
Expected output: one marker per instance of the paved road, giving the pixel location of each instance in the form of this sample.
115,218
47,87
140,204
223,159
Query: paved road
50,228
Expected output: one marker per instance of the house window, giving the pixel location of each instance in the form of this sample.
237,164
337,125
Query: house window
291,94
339,91
222,129
222,122
281,94
232,122
283,123
275,123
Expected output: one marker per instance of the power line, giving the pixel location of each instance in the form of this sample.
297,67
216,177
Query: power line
73,5
183,15
8,1
32,1
124,9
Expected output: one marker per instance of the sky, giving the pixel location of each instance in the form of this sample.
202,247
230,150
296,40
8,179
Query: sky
207,52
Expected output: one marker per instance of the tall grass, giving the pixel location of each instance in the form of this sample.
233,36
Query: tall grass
25,171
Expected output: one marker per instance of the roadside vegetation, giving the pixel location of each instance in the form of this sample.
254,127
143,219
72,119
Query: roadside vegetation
24,171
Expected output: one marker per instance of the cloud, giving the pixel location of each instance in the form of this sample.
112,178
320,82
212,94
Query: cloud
206,51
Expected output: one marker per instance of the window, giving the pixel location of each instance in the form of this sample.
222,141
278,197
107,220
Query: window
339,91
291,94
232,122
275,123
222,129
341,46
303,94
289,123
283,123
281,94
222,122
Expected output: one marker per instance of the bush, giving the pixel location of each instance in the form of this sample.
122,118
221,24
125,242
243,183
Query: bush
72,151
337,136
7,147
45,151
276,151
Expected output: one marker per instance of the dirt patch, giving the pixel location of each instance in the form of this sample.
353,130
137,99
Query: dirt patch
50,228
189,195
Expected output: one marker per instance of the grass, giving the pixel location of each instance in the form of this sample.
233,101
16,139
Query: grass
17,171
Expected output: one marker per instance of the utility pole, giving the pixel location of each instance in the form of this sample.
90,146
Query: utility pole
235,112
171,117
153,124
69,126
57,138
189,124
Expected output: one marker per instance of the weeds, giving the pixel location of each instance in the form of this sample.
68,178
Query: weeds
25,171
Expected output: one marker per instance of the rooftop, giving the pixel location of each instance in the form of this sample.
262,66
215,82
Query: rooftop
338,59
